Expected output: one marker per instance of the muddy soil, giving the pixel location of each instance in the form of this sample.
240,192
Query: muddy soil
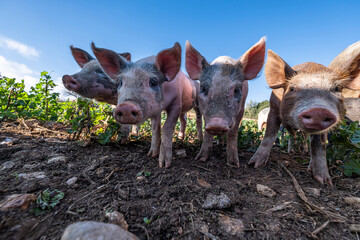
170,199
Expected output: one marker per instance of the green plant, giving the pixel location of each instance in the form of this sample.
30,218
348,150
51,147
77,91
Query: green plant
146,220
47,200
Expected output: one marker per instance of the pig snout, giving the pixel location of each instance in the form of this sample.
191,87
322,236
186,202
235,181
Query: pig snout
317,119
217,126
70,83
127,113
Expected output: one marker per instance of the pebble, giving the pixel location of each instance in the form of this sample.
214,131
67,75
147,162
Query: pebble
265,190
217,202
57,159
33,175
21,201
8,165
354,201
232,226
181,153
355,228
117,218
313,191
8,141
71,181
91,230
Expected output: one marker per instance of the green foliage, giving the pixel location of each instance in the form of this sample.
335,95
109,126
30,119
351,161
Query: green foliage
345,148
146,220
252,109
47,200
249,136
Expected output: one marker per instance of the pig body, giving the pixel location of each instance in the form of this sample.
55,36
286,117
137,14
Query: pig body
352,106
308,98
222,95
262,117
146,88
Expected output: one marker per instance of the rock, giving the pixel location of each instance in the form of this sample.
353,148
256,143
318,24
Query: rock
124,194
216,202
313,191
57,159
265,191
118,219
9,141
21,201
54,140
140,178
204,183
91,230
355,228
33,175
71,181
181,153
31,166
231,226
8,165
354,201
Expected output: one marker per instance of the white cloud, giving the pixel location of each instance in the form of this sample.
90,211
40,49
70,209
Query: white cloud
21,48
19,71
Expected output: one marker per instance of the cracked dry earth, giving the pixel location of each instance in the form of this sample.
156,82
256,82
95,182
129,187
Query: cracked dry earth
172,200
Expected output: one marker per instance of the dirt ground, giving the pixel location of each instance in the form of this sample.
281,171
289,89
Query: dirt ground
171,198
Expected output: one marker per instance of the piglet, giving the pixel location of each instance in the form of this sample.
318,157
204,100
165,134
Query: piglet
223,91
307,97
146,88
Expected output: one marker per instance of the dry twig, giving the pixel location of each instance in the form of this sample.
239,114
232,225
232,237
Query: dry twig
311,205
319,229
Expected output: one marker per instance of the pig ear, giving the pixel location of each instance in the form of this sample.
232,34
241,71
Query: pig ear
194,62
277,71
347,66
81,57
168,61
126,55
253,60
110,61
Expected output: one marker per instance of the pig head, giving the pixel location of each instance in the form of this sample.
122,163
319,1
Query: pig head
91,81
307,97
222,95
145,89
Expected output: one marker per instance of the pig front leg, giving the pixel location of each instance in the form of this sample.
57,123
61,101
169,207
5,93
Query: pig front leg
166,140
182,125
156,136
273,124
198,123
125,132
231,148
318,164
206,146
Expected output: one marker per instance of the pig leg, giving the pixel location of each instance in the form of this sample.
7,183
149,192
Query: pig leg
124,131
167,134
156,136
273,124
198,123
318,164
231,148
206,146
182,125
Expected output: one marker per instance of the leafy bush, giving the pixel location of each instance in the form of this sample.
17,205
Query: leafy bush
252,109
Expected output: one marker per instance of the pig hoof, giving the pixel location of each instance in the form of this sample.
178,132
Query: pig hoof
233,161
323,178
200,157
152,153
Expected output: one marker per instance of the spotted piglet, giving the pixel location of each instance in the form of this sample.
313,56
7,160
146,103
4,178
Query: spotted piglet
148,87
223,91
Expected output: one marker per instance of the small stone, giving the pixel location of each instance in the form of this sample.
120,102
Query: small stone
355,228
354,201
313,191
54,140
181,153
8,165
31,166
118,219
265,191
217,202
124,194
21,201
232,226
57,159
140,178
8,141
71,181
91,230
33,175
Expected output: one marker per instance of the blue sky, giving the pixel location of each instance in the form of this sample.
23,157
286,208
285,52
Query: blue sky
36,35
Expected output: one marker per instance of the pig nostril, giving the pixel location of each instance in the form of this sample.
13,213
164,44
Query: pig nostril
328,120
307,117
120,114
134,114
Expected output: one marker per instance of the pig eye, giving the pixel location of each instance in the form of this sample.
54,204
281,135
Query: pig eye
100,73
237,92
153,83
338,88
292,89
120,83
204,90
